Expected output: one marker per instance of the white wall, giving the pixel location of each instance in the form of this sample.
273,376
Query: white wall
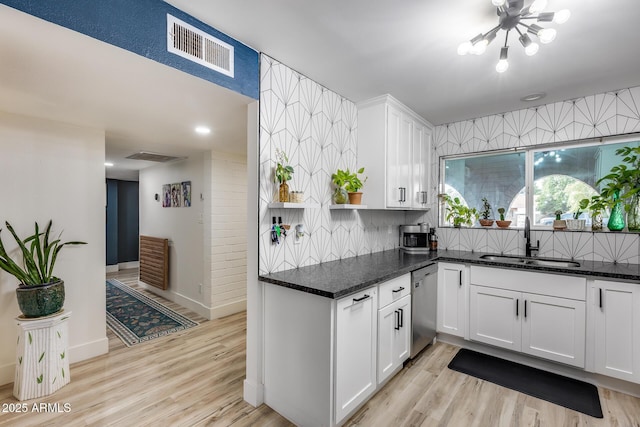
52,170
183,226
228,233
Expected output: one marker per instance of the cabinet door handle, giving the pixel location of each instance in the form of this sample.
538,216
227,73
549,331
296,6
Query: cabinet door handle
517,307
397,325
361,299
401,317
460,277
600,296
423,197
525,309
400,289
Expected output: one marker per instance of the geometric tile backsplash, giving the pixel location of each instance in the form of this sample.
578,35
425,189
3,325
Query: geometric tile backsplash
317,128
605,114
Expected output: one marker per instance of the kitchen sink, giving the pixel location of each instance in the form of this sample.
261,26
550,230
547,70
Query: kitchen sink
531,261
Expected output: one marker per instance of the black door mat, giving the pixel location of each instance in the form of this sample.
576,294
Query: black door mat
568,392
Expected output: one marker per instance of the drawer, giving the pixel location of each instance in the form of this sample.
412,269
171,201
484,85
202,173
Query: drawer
394,289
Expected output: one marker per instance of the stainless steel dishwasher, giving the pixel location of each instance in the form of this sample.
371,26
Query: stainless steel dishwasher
424,291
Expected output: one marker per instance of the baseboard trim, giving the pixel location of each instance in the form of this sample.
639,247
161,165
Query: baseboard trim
253,393
112,268
7,373
186,302
122,266
89,350
228,309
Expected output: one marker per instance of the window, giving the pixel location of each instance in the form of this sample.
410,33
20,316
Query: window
560,176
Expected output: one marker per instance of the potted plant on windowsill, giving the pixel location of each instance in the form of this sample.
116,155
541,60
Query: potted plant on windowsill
559,223
39,292
502,223
458,213
623,188
485,213
576,223
597,206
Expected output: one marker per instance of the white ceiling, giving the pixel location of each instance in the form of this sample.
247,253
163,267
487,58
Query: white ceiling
50,72
364,48
358,48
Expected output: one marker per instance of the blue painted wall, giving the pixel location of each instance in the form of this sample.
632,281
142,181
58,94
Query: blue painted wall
140,26
123,218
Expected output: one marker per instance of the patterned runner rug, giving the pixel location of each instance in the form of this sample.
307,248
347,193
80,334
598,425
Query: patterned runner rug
136,318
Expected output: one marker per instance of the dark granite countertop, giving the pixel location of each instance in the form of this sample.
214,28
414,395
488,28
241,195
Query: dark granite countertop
336,279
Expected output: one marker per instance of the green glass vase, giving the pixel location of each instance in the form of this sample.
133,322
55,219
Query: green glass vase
616,220
633,217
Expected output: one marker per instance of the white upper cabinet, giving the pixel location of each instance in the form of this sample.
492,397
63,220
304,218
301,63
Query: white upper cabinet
394,148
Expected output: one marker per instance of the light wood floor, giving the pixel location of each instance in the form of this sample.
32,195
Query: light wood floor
194,378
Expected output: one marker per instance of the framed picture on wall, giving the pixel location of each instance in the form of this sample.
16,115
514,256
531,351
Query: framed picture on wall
186,193
176,196
166,196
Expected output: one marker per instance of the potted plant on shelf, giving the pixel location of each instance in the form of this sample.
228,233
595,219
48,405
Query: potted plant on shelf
283,174
39,292
339,179
559,223
351,183
502,223
597,206
576,223
458,213
622,190
485,213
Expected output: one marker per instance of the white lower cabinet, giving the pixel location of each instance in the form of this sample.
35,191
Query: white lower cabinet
356,339
394,337
540,314
452,296
617,329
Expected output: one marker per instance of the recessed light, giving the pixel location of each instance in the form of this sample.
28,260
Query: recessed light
203,130
533,97
108,164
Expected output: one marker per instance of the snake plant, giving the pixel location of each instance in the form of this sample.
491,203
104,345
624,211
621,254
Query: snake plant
38,256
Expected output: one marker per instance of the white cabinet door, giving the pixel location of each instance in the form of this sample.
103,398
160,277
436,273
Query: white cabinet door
617,329
356,338
494,317
554,328
421,163
452,285
394,336
399,135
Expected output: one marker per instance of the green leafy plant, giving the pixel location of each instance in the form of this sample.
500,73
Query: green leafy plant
485,212
558,213
623,179
581,206
459,213
501,212
38,255
597,205
349,180
283,170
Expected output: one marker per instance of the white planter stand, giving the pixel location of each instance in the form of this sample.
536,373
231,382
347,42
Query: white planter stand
42,359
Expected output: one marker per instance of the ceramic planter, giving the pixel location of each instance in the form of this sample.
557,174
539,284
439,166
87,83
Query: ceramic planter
559,224
503,224
486,222
575,224
41,300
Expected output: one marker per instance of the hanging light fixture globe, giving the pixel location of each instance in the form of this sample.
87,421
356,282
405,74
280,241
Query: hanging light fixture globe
511,14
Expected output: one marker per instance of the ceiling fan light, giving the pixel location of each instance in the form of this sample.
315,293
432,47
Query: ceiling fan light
547,35
562,16
537,6
465,48
546,17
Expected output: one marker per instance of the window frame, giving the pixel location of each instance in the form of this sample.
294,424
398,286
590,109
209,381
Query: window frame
529,152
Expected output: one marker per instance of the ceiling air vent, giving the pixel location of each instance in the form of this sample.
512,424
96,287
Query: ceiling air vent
197,46
153,157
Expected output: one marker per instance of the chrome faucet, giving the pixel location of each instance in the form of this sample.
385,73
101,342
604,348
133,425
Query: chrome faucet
527,235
